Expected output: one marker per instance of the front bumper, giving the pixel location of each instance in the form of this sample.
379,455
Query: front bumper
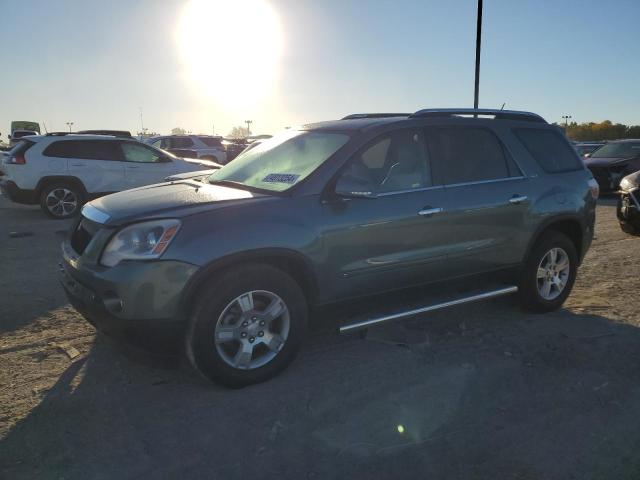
137,302
628,209
17,194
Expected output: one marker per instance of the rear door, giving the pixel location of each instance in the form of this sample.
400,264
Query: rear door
399,237
97,163
487,196
144,165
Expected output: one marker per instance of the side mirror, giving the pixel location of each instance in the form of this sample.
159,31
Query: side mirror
349,186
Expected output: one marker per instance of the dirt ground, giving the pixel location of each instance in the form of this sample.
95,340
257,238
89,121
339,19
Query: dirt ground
479,392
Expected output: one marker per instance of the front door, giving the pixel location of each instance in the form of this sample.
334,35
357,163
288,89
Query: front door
144,165
395,238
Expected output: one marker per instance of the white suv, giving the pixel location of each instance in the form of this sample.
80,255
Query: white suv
206,147
61,172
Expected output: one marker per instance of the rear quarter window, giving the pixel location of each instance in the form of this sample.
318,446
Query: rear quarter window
550,149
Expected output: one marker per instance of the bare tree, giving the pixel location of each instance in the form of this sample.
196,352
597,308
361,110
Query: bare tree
239,132
178,131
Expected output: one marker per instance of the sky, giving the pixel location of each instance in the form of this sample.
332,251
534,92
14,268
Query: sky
209,65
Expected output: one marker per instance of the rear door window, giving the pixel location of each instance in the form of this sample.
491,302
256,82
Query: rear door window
180,142
85,149
211,141
469,154
550,149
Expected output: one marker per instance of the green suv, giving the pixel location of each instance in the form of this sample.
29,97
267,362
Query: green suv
231,265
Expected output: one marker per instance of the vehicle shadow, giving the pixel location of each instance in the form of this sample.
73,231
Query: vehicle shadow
29,249
479,391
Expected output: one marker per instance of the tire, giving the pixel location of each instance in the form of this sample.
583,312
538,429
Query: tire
60,192
222,323
532,285
630,228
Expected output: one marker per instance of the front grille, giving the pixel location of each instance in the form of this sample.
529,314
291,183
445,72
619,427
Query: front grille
82,235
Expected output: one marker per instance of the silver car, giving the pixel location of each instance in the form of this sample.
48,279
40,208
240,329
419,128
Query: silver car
206,147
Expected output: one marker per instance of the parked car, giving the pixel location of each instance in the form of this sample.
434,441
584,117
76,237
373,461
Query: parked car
629,204
16,135
234,147
206,147
330,212
62,171
586,148
613,161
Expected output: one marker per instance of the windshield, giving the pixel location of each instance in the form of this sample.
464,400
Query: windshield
622,149
279,163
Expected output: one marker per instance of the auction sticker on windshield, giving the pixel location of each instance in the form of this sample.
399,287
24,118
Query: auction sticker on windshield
289,178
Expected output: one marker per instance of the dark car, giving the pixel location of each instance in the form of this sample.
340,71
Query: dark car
233,267
613,161
629,204
587,148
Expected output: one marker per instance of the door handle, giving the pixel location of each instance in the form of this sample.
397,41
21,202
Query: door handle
133,166
517,199
427,212
78,165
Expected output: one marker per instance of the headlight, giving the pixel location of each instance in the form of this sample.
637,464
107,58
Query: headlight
626,184
141,241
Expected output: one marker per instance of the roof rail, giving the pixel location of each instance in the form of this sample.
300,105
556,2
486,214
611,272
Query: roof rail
57,134
497,114
355,116
115,133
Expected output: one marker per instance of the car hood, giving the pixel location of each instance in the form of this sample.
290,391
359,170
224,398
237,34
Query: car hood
174,199
605,161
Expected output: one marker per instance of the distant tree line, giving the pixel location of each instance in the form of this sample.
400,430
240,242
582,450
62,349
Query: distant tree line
600,131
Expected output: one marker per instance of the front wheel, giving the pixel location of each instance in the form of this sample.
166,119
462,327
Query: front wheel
632,228
549,273
246,326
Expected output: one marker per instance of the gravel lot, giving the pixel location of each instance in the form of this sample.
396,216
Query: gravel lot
482,391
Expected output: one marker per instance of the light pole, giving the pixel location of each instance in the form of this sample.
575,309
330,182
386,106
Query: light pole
566,120
69,124
476,93
248,122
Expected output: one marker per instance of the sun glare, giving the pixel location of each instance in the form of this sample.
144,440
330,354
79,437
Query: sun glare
230,49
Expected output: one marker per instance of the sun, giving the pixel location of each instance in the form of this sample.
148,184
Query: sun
230,49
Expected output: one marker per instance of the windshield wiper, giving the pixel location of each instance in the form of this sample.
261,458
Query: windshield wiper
231,183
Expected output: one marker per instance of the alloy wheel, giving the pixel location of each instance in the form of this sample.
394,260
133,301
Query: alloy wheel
553,273
61,202
252,329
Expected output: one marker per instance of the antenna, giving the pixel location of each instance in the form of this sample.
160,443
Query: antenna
45,127
503,104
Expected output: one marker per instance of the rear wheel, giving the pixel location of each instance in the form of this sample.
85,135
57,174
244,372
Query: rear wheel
549,273
246,326
61,200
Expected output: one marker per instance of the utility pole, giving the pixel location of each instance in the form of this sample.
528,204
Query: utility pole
69,124
566,120
141,123
248,122
476,93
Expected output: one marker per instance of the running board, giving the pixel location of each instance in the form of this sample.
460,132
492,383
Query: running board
429,308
